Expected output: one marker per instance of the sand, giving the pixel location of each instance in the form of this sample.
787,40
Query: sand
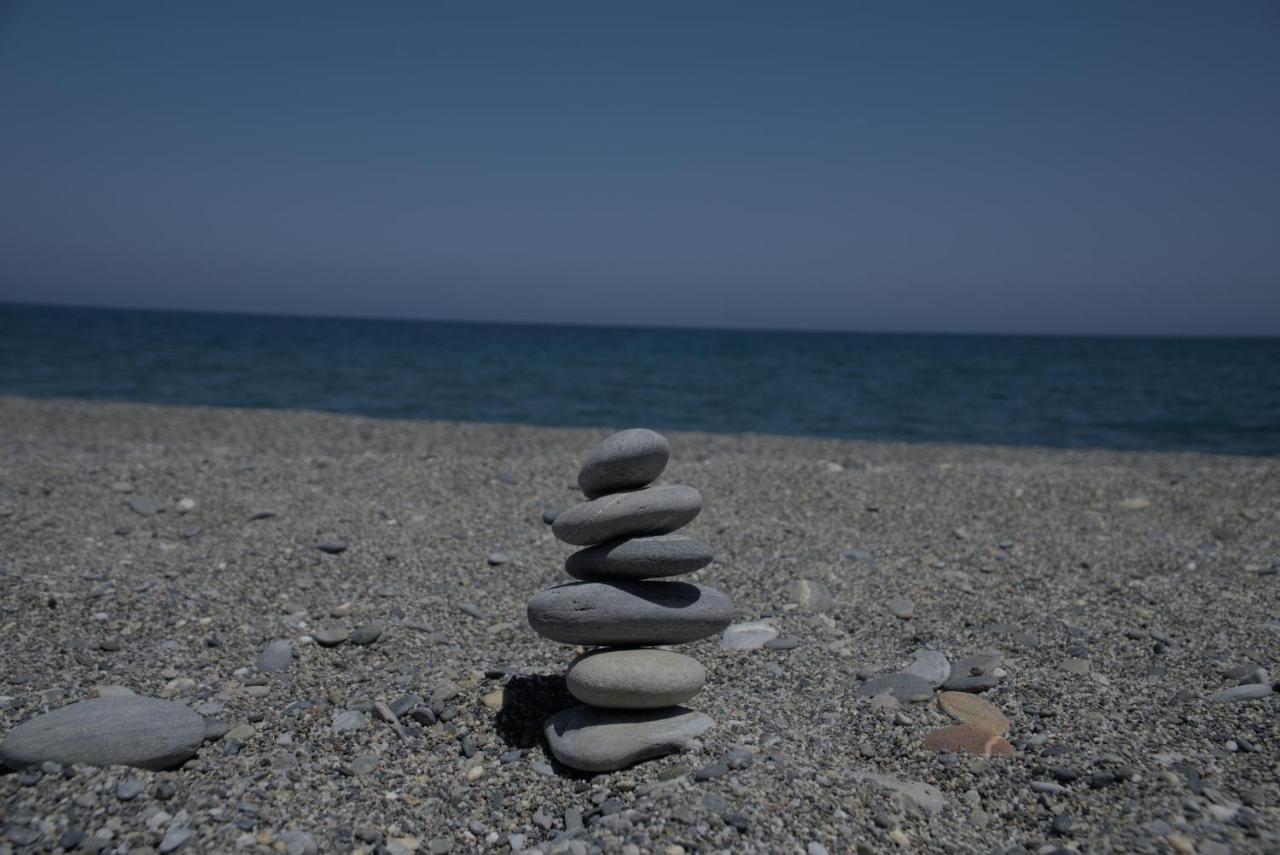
1119,588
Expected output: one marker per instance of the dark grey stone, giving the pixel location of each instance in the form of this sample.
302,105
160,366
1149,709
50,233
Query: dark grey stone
367,634
624,461
639,558
331,545
128,731
597,740
642,513
330,636
1249,692
629,613
972,683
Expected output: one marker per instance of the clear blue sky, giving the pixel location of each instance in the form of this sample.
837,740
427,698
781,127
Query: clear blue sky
1100,167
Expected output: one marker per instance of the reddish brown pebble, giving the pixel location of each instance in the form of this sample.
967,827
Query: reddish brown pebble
972,709
969,739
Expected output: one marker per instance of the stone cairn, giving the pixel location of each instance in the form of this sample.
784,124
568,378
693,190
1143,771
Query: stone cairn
630,686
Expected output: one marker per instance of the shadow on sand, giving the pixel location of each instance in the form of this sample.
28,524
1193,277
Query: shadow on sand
527,701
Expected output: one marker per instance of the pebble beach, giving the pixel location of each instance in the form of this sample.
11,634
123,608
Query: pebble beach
933,648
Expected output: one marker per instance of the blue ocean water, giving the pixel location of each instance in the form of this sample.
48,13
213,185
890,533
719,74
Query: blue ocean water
1204,394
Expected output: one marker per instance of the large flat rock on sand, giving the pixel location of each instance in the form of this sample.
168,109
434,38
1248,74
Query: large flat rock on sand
127,731
597,740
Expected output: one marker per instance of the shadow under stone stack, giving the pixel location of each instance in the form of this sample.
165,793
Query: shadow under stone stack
630,688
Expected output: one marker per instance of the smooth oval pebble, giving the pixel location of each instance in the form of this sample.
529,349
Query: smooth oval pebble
600,740
748,636
810,594
929,665
641,513
624,461
969,739
971,709
620,614
148,733
640,558
635,678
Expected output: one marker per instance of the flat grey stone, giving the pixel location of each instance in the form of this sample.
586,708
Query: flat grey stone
330,636
642,513
924,798
810,595
275,656
624,461
621,614
748,636
901,607
982,662
599,740
635,678
297,843
1249,692
175,837
127,731
143,506
349,720
639,558
127,791
972,683
929,665
905,687
331,545
367,634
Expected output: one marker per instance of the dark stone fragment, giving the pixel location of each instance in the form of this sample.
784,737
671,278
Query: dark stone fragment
1105,778
972,683
332,545
70,839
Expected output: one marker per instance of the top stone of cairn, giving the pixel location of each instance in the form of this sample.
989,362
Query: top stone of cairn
627,460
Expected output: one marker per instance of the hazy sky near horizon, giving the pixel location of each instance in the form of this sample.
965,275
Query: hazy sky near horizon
1085,167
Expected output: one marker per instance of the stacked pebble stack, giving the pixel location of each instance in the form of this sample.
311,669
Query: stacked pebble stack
630,687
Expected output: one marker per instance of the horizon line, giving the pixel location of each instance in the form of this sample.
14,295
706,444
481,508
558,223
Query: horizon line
614,326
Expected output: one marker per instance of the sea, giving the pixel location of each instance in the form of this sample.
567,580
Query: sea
1219,395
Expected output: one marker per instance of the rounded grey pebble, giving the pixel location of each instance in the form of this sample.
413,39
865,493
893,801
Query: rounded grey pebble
367,634
148,733
330,636
929,665
621,614
624,461
598,740
641,513
810,595
640,558
635,678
